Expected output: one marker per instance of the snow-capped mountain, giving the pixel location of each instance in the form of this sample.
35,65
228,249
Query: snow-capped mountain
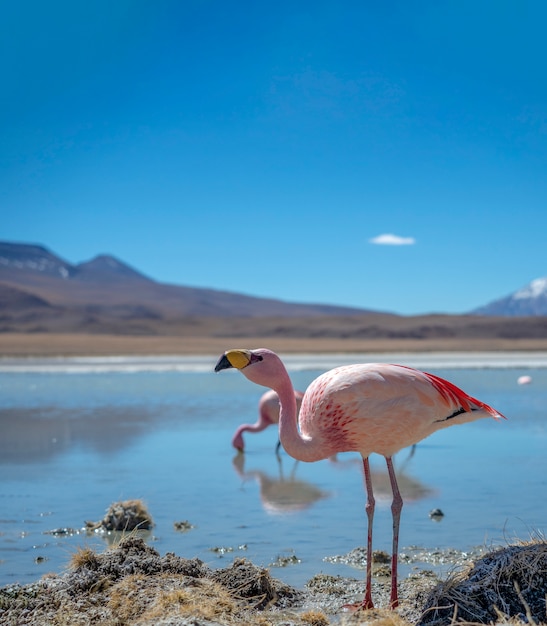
39,261
33,258
531,300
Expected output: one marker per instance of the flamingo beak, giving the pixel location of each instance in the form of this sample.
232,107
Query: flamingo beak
233,358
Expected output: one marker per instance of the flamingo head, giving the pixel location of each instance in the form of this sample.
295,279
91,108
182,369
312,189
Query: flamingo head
237,359
237,441
260,366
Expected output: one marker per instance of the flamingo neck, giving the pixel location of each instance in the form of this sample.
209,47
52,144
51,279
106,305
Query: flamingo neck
253,428
273,374
237,439
298,446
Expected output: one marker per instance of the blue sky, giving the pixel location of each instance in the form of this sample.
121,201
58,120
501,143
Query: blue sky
385,155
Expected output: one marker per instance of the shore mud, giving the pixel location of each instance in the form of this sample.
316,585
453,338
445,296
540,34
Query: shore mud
132,584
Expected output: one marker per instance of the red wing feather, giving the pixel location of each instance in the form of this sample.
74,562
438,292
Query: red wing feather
451,393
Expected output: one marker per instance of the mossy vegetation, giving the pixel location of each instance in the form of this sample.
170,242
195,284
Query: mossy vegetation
132,584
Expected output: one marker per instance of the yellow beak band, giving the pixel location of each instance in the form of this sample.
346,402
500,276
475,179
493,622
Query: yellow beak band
238,358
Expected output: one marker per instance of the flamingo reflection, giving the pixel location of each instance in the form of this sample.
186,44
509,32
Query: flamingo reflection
411,488
280,495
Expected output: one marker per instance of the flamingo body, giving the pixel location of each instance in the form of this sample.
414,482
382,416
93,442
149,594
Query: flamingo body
367,408
381,408
268,415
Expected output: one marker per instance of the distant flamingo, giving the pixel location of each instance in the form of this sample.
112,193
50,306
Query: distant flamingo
268,414
368,408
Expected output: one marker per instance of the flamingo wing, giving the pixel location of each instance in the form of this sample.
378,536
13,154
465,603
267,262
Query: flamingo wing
383,408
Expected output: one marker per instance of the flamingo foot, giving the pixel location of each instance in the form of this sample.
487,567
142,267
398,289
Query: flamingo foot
356,606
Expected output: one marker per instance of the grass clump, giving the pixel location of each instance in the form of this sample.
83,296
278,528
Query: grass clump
126,515
507,583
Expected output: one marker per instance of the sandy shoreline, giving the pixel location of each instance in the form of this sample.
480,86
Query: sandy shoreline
57,344
110,353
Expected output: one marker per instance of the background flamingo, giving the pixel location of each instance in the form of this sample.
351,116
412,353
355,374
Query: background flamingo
268,414
366,408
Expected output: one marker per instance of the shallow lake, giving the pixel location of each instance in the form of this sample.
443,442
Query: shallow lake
79,434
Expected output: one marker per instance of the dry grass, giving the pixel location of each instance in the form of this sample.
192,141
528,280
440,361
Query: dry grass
510,582
315,618
83,557
375,617
137,598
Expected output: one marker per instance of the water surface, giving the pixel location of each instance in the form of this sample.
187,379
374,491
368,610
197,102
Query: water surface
79,434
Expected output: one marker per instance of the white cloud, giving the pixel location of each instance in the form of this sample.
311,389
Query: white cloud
392,240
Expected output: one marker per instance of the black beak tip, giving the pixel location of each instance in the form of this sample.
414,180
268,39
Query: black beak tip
222,364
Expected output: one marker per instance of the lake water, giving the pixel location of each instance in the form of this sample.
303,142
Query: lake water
79,434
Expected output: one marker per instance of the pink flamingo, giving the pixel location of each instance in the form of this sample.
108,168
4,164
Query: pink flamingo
268,414
367,408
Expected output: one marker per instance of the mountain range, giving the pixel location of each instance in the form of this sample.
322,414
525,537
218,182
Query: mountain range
41,292
530,300
38,287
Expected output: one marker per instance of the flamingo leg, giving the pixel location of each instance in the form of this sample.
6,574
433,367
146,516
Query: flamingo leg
294,469
396,507
367,600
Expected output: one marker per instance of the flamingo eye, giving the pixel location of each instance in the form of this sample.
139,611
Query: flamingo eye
255,358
